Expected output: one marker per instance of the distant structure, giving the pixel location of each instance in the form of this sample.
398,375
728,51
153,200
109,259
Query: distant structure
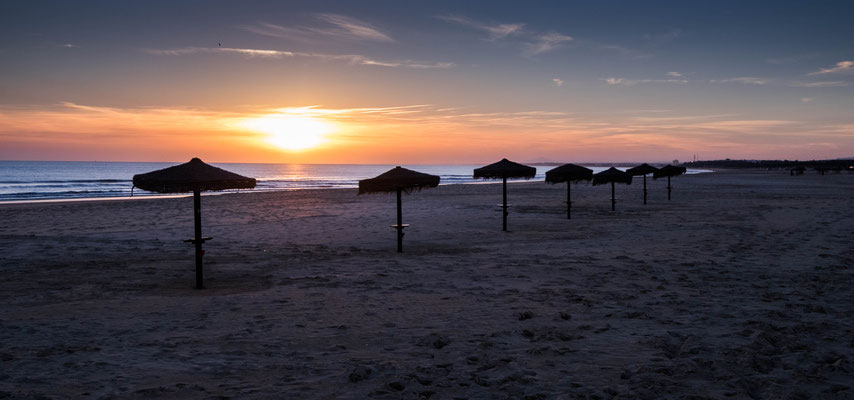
820,166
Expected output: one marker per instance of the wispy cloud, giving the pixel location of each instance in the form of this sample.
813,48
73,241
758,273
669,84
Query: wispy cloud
354,59
557,82
682,118
221,50
67,45
632,82
820,84
546,42
533,43
807,99
675,74
840,67
747,80
495,31
352,27
333,26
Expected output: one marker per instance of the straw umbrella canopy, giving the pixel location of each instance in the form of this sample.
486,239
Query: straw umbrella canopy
569,173
398,180
644,170
503,170
612,176
194,176
669,171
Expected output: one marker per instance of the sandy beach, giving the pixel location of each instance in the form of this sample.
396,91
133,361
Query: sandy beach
739,288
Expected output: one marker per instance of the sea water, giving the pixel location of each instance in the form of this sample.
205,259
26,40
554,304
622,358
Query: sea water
55,180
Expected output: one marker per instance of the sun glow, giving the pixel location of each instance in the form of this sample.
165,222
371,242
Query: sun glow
291,132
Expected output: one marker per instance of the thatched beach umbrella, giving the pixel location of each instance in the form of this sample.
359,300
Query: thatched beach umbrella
398,180
569,173
612,176
502,170
194,176
643,169
669,171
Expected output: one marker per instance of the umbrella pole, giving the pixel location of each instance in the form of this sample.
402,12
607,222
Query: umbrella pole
197,212
644,189
568,201
399,222
613,198
668,188
504,208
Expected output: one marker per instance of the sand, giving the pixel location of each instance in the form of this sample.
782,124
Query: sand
739,288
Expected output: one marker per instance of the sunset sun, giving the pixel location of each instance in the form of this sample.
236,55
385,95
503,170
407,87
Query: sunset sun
291,132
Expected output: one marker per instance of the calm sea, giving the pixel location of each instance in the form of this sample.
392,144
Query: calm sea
49,180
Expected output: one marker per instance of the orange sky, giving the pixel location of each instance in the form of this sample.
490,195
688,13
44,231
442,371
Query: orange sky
410,134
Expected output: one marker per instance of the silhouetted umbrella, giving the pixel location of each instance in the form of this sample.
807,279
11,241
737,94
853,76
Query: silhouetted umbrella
569,173
194,176
612,176
502,170
643,169
398,180
669,171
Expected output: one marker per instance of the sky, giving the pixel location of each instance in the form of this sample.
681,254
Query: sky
426,82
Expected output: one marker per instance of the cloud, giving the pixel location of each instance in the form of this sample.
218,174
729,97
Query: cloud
675,74
273,30
747,80
355,59
546,43
841,67
557,82
681,118
336,26
533,43
221,50
632,82
354,28
495,32
67,45
807,99
820,84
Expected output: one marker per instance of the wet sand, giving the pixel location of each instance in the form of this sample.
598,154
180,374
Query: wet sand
739,288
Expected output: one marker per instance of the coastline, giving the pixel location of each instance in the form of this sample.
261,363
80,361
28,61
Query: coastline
262,188
740,286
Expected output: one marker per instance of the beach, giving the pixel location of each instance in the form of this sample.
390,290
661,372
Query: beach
740,287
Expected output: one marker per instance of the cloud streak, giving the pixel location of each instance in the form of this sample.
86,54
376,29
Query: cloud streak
546,43
840,67
337,27
354,59
495,32
633,82
747,80
820,84
533,43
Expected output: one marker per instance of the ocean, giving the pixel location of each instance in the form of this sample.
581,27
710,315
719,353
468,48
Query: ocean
57,180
